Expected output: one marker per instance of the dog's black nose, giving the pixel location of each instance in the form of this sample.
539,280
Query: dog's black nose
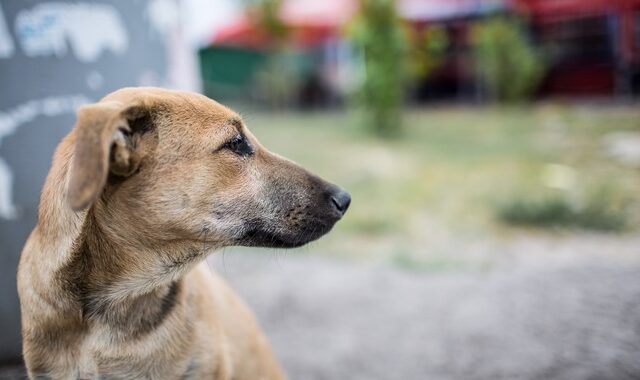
341,200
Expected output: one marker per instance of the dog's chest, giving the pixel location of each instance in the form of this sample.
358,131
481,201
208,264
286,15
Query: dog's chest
87,367
101,355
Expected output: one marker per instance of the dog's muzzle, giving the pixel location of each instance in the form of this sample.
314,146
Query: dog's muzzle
318,219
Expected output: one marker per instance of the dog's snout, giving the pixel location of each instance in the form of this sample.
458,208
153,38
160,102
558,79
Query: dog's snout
341,201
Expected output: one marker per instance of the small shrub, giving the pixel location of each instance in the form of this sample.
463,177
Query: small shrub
509,66
427,51
598,212
377,32
536,212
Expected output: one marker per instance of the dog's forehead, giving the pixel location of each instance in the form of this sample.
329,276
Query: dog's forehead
202,115
196,111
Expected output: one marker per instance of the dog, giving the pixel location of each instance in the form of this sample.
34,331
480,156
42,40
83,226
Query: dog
112,280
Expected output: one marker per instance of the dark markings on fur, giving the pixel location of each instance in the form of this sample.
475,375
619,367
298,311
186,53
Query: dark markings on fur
142,124
168,302
191,371
88,281
73,275
177,262
143,314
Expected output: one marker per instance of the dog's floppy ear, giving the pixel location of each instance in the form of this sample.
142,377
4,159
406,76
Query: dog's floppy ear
103,144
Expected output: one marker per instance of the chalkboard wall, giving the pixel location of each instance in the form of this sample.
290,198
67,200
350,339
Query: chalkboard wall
54,56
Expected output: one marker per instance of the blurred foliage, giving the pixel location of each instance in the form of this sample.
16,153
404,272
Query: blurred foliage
509,66
378,33
269,20
428,48
599,211
277,82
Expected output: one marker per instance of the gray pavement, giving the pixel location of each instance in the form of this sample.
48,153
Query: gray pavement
329,320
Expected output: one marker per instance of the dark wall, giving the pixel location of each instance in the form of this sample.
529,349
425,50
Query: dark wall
55,56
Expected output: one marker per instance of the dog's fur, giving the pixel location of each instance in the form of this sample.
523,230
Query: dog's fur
112,280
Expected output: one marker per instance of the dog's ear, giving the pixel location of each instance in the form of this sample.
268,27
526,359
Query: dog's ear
103,144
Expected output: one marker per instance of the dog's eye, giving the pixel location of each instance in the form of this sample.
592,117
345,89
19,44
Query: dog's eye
239,145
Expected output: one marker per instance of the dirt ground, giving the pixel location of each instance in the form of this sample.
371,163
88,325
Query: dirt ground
571,313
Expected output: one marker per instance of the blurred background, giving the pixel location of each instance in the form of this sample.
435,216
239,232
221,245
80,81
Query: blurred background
491,148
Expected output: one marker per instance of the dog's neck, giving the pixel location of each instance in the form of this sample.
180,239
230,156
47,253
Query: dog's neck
122,285
127,264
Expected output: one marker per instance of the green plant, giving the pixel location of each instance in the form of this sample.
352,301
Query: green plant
269,19
428,49
599,212
509,67
541,212
377,32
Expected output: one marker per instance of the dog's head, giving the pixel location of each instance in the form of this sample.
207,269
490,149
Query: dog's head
176,166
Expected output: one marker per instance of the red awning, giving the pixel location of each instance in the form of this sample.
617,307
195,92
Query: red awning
308,21
241,32
561,9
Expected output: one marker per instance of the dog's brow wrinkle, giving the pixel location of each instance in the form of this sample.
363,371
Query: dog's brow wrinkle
235,122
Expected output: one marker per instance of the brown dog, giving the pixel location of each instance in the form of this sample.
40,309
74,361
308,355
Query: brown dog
112,281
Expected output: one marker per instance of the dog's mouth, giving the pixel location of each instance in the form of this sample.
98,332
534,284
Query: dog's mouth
260,235
291,220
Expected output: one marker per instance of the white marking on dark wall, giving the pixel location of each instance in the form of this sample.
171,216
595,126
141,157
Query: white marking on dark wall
7,209
11,120
94,80
6,43
163,16
47,29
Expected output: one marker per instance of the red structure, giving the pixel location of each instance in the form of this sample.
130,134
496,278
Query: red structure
593,45
308,22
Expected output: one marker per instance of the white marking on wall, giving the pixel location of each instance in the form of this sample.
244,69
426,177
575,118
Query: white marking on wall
11,120
89,30
94,80
7,209
163,16
6,43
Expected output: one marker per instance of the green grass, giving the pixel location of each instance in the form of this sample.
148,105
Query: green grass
457,171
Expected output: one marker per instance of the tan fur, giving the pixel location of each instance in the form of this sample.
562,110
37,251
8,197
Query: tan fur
112,281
